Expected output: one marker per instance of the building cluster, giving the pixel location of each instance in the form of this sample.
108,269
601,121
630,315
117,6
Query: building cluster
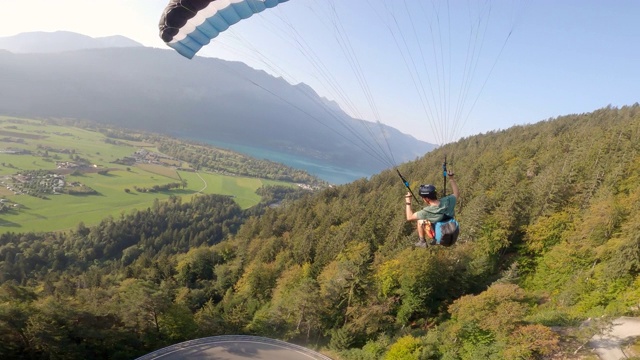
9,184
44,183
12,151
143,156
149,157
67,165
310,187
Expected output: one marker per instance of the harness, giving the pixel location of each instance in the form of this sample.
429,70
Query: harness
446,232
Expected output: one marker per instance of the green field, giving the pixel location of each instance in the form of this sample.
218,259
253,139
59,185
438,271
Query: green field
60,212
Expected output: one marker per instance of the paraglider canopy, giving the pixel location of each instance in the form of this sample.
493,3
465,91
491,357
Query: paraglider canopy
442,62
188,25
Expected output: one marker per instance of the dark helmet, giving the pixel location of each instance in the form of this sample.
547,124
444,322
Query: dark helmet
428,191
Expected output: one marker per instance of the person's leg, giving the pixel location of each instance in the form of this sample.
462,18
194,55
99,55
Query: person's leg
422,226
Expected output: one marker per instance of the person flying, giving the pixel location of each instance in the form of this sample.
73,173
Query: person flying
436,221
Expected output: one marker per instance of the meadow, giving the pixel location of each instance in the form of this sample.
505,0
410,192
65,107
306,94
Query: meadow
113,183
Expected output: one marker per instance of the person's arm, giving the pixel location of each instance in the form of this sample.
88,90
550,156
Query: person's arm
454,186
411,216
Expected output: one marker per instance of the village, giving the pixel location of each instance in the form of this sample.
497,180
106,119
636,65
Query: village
40,183
44,183
34,183
143,156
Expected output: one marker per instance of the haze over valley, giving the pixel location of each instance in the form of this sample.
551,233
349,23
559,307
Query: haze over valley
204,99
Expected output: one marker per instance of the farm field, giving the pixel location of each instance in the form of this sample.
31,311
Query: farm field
114,184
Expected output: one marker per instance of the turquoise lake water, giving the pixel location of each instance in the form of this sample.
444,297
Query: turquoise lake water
332,174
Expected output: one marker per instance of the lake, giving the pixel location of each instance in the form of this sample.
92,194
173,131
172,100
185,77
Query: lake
330,173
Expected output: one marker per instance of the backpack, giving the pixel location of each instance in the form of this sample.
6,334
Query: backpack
446,232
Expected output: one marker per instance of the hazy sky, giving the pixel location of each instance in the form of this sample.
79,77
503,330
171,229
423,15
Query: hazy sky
563,57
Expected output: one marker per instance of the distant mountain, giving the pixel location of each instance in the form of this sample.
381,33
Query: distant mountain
59,41
205,99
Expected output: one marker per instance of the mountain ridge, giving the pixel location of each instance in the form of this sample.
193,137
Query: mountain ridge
60,41
156,89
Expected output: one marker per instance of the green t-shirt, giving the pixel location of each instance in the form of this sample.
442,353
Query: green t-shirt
435,213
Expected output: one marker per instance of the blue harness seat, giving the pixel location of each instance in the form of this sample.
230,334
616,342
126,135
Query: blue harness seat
446,232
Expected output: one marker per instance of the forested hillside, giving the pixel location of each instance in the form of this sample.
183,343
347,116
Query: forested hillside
550,236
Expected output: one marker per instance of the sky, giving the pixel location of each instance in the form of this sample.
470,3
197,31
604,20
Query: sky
436,70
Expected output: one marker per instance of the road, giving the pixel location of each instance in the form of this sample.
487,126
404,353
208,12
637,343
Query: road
203,180
608,346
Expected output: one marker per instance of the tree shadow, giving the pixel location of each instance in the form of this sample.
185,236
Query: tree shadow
7,223
97,193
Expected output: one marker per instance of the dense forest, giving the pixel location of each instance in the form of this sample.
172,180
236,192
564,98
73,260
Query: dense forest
550,236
